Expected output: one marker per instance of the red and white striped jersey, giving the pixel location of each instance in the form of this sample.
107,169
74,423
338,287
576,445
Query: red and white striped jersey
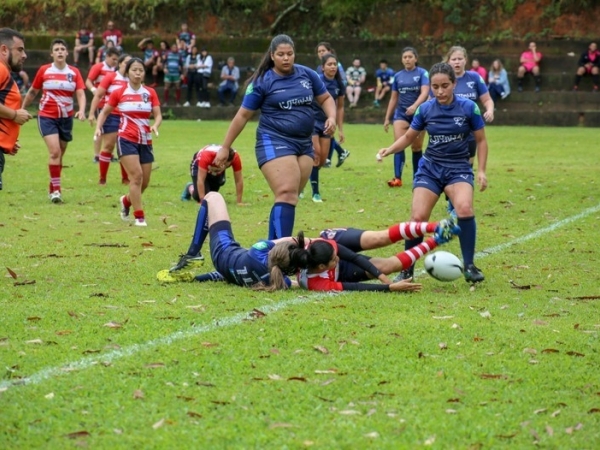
110,83
97,73
58,88
135,107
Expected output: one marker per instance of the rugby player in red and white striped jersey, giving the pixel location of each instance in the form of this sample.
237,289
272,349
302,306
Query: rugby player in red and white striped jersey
59,83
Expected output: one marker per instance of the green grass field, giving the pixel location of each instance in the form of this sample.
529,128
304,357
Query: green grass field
95,353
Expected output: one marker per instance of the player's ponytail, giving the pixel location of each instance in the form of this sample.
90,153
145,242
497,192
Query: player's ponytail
285,258
320,252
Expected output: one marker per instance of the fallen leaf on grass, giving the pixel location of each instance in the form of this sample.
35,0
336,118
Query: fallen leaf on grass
280,425
99,294
541,410
49,396
594,410
73,314
257,314
506,436
63,332
485,314
158,424
147,244
577,427
155,365
274,377
585,297
531,351
443,346
12,273
321,349
549,430
326,371
205,384
328,382
23,283
219,402
297,379
209,344
516,286
186,399
349,412
550,350
571,353
138,394
451,411
372,435
88,352
113,325
491,376
107,245
194,414
429,441
35,341
555,413
453,400
34,319
442,317
78,434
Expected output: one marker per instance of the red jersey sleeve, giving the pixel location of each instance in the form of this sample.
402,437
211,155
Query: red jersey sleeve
107,80
95,72
79,84
236,164
38,81
153,97
115,97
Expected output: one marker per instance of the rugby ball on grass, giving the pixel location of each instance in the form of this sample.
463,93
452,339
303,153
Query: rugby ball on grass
444,266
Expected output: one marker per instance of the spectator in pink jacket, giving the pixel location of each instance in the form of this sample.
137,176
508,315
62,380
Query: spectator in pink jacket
530,63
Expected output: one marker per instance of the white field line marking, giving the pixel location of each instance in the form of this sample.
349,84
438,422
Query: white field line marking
237,319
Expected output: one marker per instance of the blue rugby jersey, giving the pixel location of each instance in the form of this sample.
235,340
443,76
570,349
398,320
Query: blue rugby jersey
408,85
335,89
449,128
285,102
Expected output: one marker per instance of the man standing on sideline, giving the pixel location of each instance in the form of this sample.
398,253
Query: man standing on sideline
12,116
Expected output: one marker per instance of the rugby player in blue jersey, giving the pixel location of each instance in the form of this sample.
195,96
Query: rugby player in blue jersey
410,88
449,120
330,75
284,92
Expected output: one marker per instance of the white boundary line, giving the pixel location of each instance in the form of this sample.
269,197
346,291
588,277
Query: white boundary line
237,319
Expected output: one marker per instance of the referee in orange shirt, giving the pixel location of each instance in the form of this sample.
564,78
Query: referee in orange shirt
12,116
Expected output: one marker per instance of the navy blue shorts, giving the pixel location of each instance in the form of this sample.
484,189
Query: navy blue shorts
212,184
348,237
226,253
436,177
351,273
63,127
320,130
270,147
127,148
400,114
111,124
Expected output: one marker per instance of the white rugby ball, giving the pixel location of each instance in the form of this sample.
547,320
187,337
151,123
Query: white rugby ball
444,266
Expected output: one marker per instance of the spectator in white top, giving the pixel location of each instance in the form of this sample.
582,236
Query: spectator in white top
356,75
204,67
230,75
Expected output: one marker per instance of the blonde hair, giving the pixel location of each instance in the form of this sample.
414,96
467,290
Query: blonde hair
455,48
501,66
285,258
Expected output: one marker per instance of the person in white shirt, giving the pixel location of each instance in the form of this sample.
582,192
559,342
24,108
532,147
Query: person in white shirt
204,68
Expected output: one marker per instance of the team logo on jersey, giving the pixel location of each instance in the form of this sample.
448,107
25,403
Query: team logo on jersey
306,84
260,245
471,84
145,97
417,79
460,121
250,89
70,77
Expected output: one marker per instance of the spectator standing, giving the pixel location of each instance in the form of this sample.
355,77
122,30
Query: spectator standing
113,34
58,82
193,77
478,68
530,63
12,116
205,68
150,58
356,75
230,76
173,68
499,87
384,77
84,41
589,64
185,38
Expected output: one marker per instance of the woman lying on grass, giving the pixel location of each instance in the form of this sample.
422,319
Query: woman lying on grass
267,263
